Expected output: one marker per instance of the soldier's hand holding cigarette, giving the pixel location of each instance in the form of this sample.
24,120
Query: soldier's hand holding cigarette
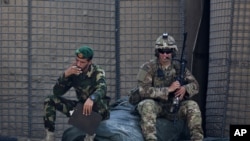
72,70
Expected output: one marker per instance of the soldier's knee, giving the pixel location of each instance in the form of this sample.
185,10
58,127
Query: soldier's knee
148,103
194,106
147,106
190,106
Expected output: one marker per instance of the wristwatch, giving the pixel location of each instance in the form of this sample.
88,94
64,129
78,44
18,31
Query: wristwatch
93,97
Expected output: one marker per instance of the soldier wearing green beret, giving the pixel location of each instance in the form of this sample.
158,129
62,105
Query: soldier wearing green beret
89,83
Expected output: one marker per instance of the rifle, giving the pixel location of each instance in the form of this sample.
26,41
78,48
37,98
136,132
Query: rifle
176,101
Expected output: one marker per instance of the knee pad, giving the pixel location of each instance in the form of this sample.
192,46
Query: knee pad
189,106
148,106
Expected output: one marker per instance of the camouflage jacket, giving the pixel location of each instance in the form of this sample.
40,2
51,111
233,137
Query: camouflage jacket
153,85
91,83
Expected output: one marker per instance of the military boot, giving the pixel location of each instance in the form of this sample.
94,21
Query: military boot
50,136
89,137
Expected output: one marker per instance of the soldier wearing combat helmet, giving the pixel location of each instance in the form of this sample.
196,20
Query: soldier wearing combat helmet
89,83
158,86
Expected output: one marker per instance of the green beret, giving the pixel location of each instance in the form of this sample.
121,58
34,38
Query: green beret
85,52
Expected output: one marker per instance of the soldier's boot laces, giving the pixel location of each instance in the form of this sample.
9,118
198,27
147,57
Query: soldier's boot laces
50,136
89,137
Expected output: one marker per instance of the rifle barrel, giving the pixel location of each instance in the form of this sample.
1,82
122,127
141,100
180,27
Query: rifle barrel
184,44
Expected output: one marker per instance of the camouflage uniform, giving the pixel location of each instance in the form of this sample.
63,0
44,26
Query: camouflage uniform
91,83
156,101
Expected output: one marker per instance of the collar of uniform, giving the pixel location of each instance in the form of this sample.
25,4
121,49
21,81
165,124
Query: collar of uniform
90,70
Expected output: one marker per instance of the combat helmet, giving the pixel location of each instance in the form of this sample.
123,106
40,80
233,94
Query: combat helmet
165,41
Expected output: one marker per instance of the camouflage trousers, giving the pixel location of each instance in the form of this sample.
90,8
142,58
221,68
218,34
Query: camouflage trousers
51,104
189,110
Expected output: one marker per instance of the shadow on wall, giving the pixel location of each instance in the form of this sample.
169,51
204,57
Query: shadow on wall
201,60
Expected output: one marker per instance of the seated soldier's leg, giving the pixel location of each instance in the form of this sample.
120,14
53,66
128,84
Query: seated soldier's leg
51,104
190,110
148,109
